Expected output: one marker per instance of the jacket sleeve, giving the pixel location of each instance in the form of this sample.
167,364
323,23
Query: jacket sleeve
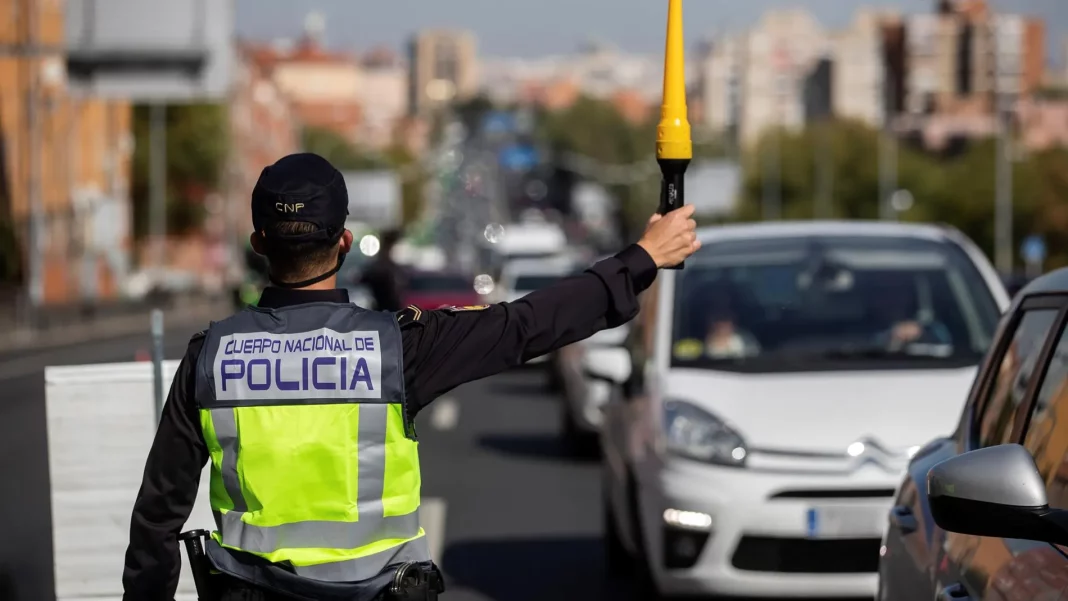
168,491
448,347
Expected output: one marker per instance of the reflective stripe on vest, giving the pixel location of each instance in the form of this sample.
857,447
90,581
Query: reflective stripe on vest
312,465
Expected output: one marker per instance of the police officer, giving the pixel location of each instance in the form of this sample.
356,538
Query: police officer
304,406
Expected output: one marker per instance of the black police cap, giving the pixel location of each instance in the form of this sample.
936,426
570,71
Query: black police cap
301,187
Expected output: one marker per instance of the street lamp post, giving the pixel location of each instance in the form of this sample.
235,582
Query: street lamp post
1003,199
35,262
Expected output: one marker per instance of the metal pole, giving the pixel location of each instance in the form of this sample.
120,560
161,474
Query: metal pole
157,361
824,172
158,183
772,179
887,154
33,97
1003,201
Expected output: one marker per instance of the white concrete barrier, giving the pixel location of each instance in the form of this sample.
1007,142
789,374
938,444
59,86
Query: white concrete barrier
101,421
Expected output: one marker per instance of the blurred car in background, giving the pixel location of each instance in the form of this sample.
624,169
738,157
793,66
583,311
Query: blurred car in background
993,542
769,396
520,277
530,240
436,289
583,398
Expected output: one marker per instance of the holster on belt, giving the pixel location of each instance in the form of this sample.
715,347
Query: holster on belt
200,565
416,582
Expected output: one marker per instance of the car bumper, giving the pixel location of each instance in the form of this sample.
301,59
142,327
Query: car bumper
762,540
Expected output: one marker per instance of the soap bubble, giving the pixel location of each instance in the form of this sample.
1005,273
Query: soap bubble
484,284
494,233
369,245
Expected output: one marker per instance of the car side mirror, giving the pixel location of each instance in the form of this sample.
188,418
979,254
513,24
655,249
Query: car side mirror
613,337
997,492
609,364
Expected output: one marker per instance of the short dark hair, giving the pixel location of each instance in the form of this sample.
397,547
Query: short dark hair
297,261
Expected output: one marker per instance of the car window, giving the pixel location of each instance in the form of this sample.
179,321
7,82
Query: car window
1047,438
1012,376
831,302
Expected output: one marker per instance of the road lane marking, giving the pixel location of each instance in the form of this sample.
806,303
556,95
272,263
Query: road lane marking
432,515
445,414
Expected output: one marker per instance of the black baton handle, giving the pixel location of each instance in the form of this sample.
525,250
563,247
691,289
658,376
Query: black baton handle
672,188
199,563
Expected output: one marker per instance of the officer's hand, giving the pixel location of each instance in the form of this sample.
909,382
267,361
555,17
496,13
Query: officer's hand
670,238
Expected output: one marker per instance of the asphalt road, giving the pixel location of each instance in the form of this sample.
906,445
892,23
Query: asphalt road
517,519
510,516
25,511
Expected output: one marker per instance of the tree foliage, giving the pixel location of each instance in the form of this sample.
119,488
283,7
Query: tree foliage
595,129
346,156
197,148
959,191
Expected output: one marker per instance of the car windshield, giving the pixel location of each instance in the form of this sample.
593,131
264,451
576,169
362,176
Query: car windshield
809,303
529,283
439,282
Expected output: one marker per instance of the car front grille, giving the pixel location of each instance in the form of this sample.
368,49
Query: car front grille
804,556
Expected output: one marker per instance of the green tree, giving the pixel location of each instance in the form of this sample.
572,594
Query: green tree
349,157
339,151
197,148
959,191
594,129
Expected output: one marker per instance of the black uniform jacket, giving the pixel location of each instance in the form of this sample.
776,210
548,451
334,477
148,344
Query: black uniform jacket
442,349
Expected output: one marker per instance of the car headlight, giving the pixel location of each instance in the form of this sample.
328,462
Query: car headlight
692,432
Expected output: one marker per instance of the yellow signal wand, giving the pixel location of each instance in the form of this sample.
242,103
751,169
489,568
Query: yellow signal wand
674,149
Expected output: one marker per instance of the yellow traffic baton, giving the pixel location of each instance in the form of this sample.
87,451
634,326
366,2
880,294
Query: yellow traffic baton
674,148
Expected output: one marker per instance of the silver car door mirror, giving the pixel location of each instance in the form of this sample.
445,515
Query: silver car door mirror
996,491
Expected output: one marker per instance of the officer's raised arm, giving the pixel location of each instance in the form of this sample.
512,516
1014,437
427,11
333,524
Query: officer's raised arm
448,347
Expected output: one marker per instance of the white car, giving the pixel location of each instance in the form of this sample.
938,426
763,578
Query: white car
520,277
769,397
584,398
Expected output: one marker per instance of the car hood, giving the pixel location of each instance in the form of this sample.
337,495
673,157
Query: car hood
828,411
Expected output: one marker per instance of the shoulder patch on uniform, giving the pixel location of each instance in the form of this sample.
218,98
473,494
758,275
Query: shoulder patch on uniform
465,308
410,315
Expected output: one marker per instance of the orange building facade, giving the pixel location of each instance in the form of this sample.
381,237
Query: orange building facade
72,159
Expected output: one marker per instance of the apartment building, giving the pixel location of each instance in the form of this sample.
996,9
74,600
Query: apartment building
859,87
723,69
781,52
596,70
384,97
326,88
264,126
442,69
962,60
71,159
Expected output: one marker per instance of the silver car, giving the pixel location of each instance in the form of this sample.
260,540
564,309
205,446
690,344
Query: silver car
983,513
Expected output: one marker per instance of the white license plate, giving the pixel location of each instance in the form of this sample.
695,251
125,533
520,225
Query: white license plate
845,521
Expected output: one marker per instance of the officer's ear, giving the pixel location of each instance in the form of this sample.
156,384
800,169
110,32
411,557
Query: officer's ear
345,242
259,244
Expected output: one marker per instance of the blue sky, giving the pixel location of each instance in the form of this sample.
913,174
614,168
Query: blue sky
537,27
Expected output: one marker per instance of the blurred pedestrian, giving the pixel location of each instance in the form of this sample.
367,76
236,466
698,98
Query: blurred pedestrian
304,406
383,276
